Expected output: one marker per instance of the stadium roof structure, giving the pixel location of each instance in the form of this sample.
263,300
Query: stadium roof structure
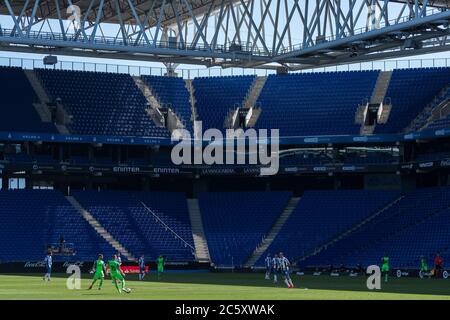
295,34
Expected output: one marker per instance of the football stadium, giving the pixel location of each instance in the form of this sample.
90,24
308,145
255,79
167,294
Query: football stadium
224,149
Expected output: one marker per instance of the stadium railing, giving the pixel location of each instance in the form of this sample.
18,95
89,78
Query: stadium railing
139,70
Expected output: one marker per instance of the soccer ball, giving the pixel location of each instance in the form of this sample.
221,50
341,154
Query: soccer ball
127,290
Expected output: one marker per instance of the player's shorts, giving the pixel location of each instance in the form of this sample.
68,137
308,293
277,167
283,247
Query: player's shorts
274,271
384,268
116,276
160,268
285,273
437,267
49,269
142,270
99,275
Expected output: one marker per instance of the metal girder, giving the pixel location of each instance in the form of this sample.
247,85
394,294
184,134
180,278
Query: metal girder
230,33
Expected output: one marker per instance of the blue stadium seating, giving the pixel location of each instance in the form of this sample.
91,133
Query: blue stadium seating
111,104
314,103
122,214
101,103
322,215
172,91
17,111
422,120
235,222
443,122
31,220
440,124
217,96
405,231
410,90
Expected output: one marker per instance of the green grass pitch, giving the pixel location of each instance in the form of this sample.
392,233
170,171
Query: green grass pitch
223,286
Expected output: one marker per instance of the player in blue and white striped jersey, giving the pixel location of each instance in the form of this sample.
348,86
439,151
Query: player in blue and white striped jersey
268,263
142,270
48,260
275,268
284,267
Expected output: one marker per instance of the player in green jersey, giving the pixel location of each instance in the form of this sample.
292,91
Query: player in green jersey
424,266
160,262
385,267
99,269
117,275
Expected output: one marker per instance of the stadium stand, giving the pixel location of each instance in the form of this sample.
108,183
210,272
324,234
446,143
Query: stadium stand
410,228
322,215
440,123
101,103
137,229
410,91
314,103
432,116
17,111
217,96
111,104
33,220
172,92
235,222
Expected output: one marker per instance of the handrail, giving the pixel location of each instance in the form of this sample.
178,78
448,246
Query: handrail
138,70
165,225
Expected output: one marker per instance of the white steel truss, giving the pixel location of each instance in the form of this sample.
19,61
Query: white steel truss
294,34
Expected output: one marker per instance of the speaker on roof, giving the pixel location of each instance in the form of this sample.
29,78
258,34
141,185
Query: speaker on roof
235,47
282,70
413,44
50,60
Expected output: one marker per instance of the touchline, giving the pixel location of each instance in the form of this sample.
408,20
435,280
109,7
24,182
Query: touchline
249,147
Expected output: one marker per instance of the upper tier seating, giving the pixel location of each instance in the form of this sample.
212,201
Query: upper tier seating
217,96
101,103
17,110
410,90
137,229
401,231
172,91
236,222
320,216
314,103
32,220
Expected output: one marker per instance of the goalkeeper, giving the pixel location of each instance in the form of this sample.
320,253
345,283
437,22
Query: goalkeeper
100,269
117,274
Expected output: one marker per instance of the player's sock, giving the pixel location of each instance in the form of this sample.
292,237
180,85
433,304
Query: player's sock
287,283
117,286
123,284
100,285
